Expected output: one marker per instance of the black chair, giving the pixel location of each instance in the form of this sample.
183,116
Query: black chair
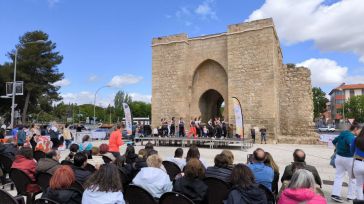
38,155
270,196
90,168
124,178
172,169
106,159
174,198
218,190
45,201
78,186
66,162
21,181
43,180
6,198
5,165
137,195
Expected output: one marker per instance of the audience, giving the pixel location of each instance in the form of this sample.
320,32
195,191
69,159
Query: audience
230,157
301,190
104,186
344,162
244,188
79,162
177,159
24,161
193,152
116,140
60,189
191,184
153,178
357,148
130,156
270,162
104,151
73,150
96,160
86,144
8,150
299,156
50,163
263,174
221,170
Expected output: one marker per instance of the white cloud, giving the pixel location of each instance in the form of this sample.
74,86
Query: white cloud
61,83
141,97
93,78
86,97
334,27
328,72
122,80
205,10
52,3
182,12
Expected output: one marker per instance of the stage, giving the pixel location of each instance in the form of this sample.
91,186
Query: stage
200,141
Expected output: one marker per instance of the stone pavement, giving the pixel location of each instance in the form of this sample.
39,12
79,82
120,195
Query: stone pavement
317,155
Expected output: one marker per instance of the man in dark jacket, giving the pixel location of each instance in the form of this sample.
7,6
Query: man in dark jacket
299,156
79,162
50,163
249,195
221,169
8,150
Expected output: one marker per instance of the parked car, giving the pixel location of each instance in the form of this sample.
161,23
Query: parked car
327,129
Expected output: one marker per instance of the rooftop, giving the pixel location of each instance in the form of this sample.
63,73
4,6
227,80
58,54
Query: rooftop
344,86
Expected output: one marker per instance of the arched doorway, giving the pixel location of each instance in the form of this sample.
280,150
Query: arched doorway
209,91
210,105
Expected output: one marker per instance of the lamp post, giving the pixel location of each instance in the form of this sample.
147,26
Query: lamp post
94,119
14,81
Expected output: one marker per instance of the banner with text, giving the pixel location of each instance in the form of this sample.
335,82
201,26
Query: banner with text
238,117
128,121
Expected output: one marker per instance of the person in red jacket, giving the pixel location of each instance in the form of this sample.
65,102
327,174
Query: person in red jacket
24,161
116,140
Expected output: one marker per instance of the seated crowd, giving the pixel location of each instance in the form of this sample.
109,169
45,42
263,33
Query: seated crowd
112,174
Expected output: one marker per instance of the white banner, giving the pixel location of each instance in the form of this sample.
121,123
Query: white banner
238,117
128,122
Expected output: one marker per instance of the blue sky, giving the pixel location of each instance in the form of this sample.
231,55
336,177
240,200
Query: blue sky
110,41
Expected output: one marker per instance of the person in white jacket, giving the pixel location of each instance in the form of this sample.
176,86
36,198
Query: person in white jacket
152,178
104,187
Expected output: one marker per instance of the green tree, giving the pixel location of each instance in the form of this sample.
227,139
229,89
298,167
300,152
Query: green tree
5,103
354,108
120,98
37,67
140,109
319,101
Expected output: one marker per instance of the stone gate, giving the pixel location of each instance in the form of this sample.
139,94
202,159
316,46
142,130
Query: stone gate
194,77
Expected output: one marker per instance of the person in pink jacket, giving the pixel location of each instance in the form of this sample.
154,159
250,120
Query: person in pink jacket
301,189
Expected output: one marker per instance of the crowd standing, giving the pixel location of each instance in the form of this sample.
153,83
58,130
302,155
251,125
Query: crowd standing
111,172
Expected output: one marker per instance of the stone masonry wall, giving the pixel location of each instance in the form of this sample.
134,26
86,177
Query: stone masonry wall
245,62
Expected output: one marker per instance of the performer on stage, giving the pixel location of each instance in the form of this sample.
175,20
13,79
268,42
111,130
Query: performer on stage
181,128
172,127
192,128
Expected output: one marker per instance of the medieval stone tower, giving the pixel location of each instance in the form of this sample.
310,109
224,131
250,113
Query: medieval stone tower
194,76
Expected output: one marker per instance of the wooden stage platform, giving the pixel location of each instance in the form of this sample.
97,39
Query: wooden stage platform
200,141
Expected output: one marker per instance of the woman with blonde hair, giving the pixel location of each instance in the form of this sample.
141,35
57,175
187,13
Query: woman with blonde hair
270,162
153,178
301,189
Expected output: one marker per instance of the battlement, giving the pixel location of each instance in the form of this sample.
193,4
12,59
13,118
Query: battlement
182,37
251,25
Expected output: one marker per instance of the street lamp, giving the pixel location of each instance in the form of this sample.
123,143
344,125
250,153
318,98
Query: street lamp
14,81
94,119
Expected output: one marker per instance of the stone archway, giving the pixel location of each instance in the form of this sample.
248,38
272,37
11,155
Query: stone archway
209,91
210,104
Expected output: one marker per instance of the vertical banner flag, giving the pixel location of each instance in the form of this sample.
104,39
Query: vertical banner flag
238,117
128,122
